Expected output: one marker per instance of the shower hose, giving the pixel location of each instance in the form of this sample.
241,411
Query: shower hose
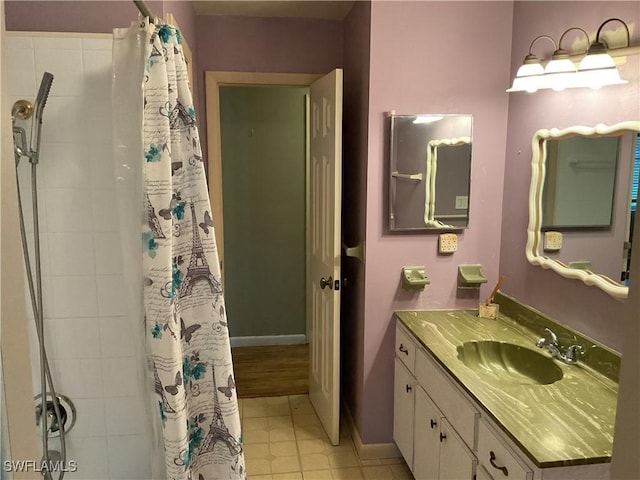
24,110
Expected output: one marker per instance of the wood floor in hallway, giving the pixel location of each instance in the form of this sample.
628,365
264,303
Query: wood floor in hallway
266,371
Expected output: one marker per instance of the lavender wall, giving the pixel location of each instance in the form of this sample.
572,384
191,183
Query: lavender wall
586,309
252,44
424,56
98,16
357,30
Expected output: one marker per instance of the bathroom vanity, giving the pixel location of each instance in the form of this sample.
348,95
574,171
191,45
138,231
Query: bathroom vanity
475,398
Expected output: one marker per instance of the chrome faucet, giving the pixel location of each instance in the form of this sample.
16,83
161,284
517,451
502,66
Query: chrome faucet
570,354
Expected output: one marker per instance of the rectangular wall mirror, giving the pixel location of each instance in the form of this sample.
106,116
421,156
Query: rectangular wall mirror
430,171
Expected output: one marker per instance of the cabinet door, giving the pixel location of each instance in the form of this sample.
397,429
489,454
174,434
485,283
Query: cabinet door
456,461
426,449
403,395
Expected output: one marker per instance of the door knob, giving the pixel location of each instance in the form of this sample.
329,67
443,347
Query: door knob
326,282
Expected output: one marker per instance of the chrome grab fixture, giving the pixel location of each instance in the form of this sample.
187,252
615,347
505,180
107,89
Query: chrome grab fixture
570,354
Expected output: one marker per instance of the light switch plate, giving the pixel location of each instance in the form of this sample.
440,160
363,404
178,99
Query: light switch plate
552,241
448,243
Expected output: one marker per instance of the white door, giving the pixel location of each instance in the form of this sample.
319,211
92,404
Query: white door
325,180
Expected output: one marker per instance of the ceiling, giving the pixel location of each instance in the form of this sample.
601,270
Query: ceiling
333,10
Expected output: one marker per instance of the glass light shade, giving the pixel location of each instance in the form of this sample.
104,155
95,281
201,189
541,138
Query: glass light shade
598,70
559,74
597,60
527,78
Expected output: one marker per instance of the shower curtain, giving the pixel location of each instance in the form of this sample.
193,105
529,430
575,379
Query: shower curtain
184,318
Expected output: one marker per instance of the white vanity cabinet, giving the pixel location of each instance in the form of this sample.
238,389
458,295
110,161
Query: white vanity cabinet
497,458
500,459
403,419
427,439
445,434
404,394
482,474
439,453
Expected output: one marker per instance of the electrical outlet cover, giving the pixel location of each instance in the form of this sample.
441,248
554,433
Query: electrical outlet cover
448,243
552,241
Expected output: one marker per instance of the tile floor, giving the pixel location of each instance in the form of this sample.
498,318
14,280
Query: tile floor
283,440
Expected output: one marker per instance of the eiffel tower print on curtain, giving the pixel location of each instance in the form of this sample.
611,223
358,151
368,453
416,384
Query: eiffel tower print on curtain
198,269
218,431
154,223
165,405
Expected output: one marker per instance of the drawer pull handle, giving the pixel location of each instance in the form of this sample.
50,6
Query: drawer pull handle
492,457
443,437
403,350
434,424
408,388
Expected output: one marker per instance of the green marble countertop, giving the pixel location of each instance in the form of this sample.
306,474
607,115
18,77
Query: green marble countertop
569,422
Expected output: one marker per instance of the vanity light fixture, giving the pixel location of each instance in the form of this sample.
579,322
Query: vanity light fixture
531,71
596,68
560,72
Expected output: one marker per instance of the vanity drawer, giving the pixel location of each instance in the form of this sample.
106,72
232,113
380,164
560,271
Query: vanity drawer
405,349
458,411
495,456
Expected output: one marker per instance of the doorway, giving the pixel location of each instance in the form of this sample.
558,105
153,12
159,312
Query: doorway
322,225
263,142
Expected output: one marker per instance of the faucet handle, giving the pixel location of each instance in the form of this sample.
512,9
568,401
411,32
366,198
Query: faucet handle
553,336
572,352
544,341
552,340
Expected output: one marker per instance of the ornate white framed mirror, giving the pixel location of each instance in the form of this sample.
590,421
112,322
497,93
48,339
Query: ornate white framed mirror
582,203
452,212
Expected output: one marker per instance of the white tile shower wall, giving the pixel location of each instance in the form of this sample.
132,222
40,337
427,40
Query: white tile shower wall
88,335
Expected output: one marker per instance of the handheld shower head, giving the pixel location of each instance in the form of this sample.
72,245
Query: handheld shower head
38,107
43,94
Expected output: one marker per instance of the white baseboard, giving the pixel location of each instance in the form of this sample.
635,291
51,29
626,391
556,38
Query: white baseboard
268,340
368,451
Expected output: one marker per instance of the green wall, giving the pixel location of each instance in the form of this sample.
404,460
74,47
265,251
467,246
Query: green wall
263,172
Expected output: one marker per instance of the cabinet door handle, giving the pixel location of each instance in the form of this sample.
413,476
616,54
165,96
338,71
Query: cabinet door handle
443,437
492,457
408,388
403,350
434,424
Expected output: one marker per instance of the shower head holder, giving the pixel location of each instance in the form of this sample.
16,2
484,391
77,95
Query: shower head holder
22,109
